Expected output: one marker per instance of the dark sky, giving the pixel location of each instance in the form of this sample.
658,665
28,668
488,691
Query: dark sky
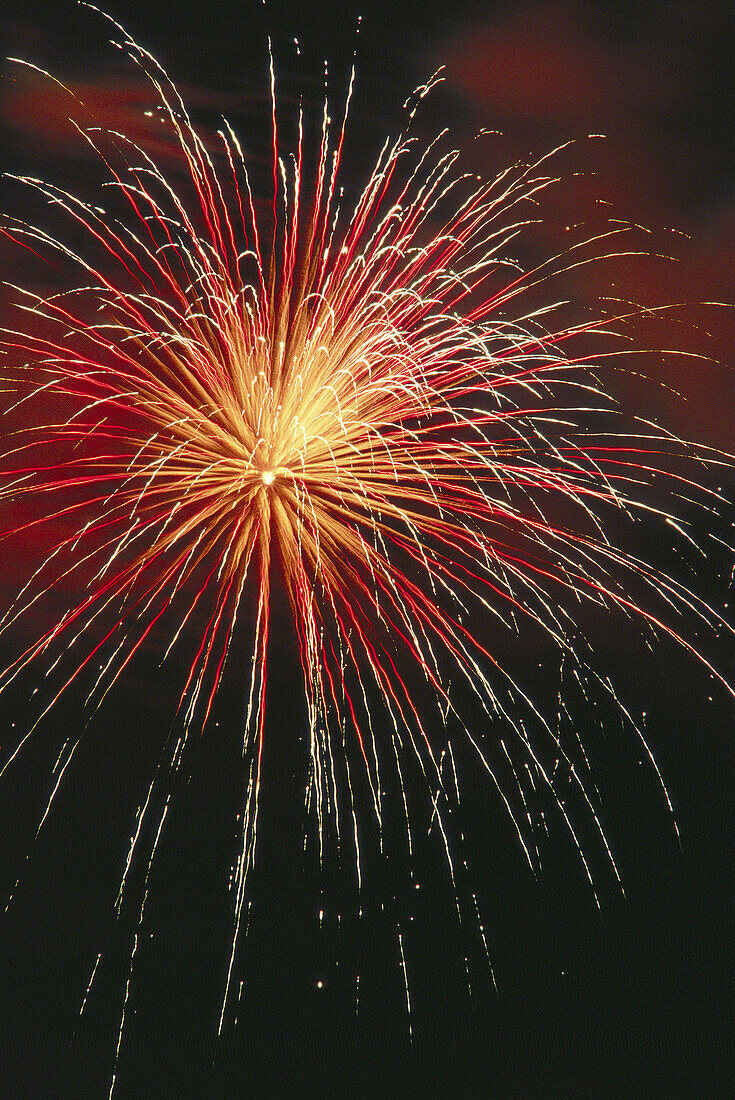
634,999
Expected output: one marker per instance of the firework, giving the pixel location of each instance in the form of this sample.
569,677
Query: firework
345,400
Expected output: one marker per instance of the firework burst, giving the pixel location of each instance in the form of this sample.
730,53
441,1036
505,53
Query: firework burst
347,401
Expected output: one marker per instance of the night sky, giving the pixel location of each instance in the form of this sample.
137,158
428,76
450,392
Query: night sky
635,998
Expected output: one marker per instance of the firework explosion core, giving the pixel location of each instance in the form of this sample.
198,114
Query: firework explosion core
343,400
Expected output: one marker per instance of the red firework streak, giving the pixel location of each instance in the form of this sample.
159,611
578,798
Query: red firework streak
353,398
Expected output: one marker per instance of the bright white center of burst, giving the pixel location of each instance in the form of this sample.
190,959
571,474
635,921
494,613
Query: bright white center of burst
268,477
